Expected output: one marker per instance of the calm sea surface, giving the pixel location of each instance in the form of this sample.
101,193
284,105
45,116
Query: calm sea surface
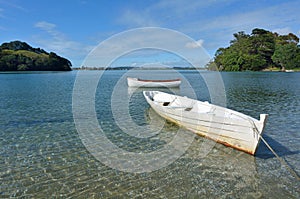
42,154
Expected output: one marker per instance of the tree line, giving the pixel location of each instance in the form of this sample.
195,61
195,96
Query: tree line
257,51
19,56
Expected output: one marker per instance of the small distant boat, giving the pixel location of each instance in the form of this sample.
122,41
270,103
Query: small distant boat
136,82
223,125
289,71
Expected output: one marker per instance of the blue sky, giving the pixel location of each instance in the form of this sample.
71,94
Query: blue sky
72,28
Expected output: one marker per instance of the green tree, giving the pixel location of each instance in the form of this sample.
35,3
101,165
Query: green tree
20,56
258,51
22,67
264,45
287,56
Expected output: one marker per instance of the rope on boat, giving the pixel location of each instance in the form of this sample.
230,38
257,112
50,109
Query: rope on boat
281,160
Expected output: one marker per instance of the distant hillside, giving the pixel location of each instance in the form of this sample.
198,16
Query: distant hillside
258,51
19,56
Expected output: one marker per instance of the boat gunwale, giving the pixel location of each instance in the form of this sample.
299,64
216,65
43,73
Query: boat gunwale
207,121
155,80
241,115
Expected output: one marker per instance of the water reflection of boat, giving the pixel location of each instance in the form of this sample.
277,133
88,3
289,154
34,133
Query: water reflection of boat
223,125
136,82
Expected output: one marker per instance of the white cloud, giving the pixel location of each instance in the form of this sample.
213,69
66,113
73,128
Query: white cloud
194,19
83,2
133,64
217,31
182,8
137,19
45,25
51,29
13,5
272,17
137,45
196,44
165,12
283,31
58,42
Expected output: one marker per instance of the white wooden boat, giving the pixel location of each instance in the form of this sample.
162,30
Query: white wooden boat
223,125
289,71
136,82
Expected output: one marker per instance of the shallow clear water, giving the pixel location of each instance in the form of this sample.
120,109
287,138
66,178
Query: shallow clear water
42,155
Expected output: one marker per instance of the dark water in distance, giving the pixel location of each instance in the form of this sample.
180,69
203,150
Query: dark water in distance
41,154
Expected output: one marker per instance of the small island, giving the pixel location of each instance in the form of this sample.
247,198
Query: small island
19,56
262,50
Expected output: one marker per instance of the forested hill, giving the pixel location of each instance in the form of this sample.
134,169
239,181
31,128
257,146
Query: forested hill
260,50
19,56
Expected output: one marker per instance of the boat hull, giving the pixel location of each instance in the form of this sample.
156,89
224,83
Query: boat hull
135,82
222,125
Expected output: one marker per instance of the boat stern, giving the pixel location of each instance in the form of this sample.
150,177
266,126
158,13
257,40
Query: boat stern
262,122
260,127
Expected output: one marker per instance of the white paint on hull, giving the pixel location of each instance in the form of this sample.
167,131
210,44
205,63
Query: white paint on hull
223,125
135,82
